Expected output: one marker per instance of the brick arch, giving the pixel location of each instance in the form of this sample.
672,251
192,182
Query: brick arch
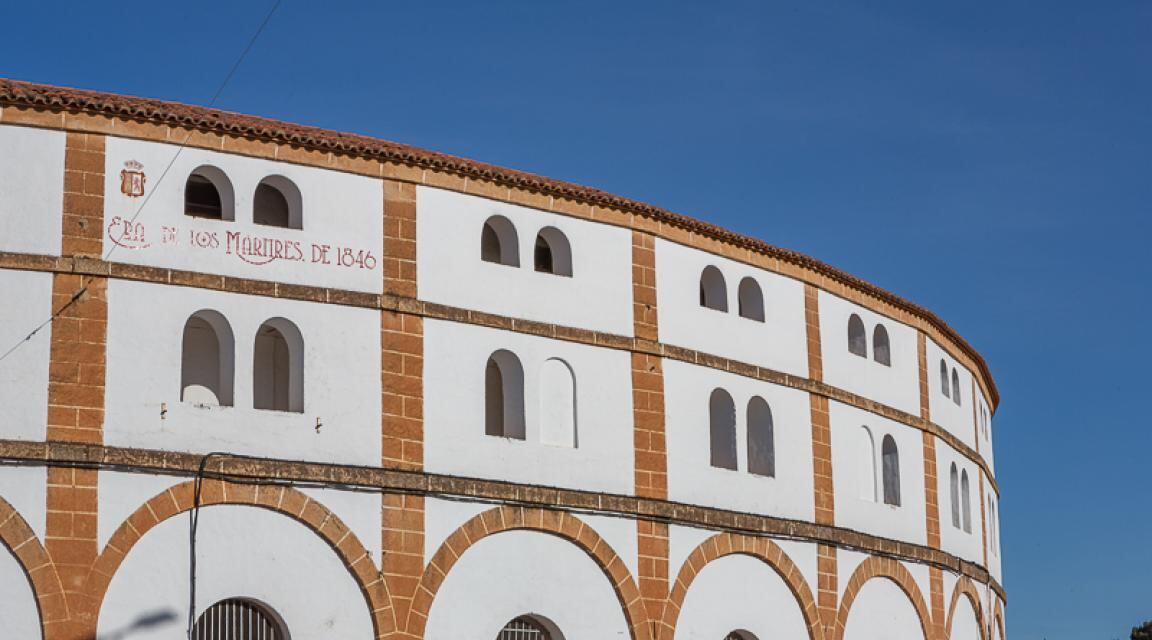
280,499
726,544
887,568
998,618
558,523
965,587
17,535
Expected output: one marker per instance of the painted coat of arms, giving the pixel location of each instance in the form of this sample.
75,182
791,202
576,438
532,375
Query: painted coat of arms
132,179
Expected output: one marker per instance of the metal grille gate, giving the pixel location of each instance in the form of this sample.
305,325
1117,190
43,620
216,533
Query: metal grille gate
523,629
236,619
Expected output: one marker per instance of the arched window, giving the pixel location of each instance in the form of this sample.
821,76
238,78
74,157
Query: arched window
857,338
504,396
866,455
880,348
761,445
751,300
944,388
277,203
238,619
278,367
529,628
557,404
722,429
208,194
965,500
955,387
994,526
207,359
890,459
553,252
954,492
740,635
713,291
499,242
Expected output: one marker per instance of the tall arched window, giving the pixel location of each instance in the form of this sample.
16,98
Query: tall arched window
761,440
866,457
994,526
857,337
944,388
751,300
208,194
278,203
530,628
722,429
557,404
881,350
278,367
965,500
553,252
713,290
504,396
207,359
954,492
238,619
890,458
955,387
499,242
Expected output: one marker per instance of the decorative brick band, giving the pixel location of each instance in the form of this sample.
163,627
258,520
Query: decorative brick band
88,456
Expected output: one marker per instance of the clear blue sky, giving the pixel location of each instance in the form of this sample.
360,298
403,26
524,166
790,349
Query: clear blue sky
990,160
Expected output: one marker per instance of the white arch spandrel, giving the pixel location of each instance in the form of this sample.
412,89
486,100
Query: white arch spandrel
881,611
739,592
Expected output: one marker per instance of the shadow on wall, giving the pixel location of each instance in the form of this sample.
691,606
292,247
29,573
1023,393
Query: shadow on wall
153,619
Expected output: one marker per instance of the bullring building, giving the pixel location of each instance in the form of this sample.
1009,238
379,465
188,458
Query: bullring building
267,381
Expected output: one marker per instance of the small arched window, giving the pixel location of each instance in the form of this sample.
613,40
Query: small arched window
713,290
207,359
857,337
277,203
944,388
751,300
278,367
955,387
529,628
881,350
208,194
722,429
890,458
761,444
866,455
954,493
557,404
504,396
499,242
238,619
553,252
740,635
965,501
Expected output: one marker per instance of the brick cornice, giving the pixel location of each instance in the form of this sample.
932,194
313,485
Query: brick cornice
269,470
58,107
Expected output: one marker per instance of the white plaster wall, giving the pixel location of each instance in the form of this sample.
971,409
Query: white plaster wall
984,444
340,210
994,552
454,440
882,611
24,373
31,189
897,386
956,419
524,572
905,522
739,593
241,552
598,296
341,378
443,517
18,608
780,342
692,478
955,540
26,489
965,625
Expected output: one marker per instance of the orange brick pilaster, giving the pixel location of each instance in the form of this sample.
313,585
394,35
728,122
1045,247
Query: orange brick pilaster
826,587
399,238
931,493
644,286
936,604
824,496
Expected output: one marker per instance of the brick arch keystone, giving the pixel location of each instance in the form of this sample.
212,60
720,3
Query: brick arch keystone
279,499
558,523
965,586
887,568
17,535
727,544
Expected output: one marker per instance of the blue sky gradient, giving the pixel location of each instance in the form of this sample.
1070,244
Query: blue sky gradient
989,160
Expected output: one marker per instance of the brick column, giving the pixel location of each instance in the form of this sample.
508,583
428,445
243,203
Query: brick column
76,385
644,286
399,238
823,492
931,498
